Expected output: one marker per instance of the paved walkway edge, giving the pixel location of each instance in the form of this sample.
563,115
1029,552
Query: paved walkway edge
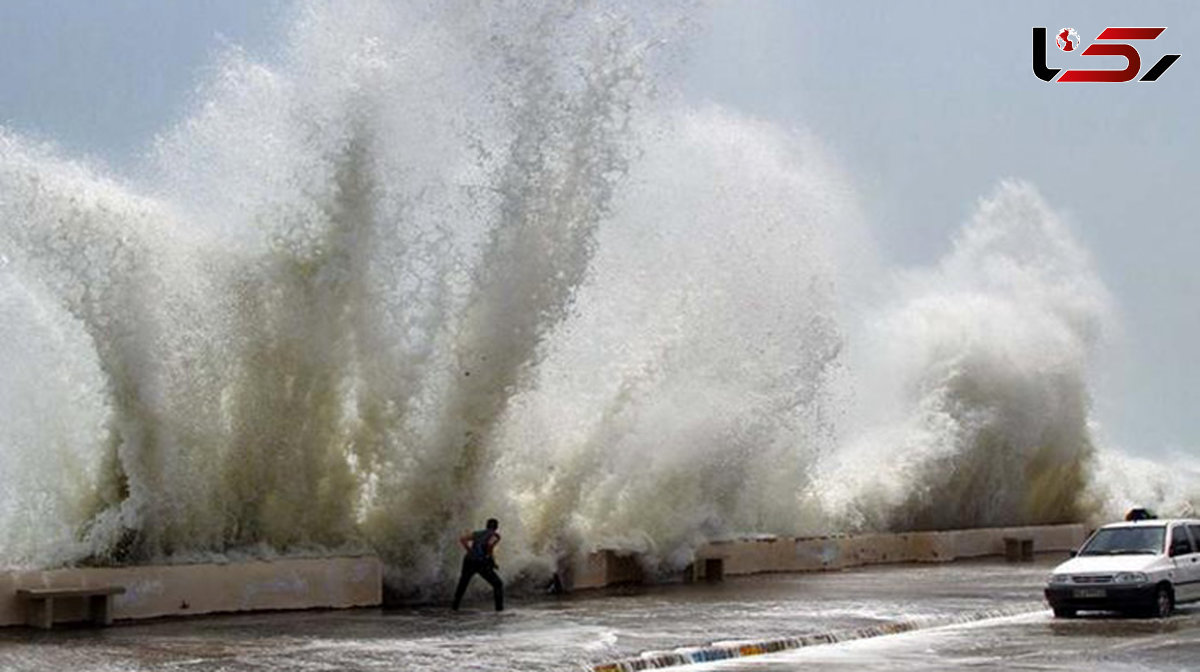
657,660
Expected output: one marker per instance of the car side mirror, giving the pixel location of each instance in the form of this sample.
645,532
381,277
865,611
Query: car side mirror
1072,553
1180,549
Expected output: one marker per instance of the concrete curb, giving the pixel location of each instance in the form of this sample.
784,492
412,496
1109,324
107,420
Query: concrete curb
656,660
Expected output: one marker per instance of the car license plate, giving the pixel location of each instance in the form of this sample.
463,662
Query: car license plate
1086,593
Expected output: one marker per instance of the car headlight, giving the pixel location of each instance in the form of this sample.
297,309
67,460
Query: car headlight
1130,577
1060,578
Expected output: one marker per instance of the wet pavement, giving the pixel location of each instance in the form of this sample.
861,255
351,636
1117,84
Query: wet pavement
1037,641
579,631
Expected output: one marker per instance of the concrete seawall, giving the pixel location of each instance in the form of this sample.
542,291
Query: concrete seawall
778,554
181,590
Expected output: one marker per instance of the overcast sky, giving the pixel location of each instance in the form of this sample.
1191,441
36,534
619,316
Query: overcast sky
926,104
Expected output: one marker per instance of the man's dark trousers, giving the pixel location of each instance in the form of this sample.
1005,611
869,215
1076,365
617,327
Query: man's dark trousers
485,568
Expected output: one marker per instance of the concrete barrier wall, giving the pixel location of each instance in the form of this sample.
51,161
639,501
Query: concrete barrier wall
780,554
180,590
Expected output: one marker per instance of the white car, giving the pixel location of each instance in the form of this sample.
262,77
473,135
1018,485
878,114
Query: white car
1144,566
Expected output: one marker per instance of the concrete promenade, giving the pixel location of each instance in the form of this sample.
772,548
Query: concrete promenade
590,629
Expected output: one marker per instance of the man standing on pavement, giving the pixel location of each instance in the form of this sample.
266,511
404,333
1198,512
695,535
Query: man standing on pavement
479,560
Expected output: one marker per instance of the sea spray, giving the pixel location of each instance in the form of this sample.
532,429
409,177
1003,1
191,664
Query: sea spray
1123,482
982,363
364,248
433,262
683,400
96,248
52,398
411,339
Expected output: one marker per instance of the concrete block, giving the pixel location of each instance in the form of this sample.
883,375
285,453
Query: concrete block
180,590
588,570
714,570
1018,549
815,554
622,568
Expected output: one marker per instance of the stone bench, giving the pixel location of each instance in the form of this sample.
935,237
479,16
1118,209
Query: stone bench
39,603
709,570
1018,549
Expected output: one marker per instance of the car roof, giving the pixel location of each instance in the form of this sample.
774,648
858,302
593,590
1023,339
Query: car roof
1152,522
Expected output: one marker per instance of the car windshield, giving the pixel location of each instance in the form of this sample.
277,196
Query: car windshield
1123,540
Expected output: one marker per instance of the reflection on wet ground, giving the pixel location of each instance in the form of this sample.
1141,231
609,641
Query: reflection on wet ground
1031,642
577,631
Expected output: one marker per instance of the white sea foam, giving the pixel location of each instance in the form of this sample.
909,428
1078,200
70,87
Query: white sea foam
980,408
431,265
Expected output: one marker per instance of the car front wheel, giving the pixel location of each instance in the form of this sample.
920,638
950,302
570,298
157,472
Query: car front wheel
1164,602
